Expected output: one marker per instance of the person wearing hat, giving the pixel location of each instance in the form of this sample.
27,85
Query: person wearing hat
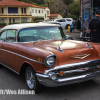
94,27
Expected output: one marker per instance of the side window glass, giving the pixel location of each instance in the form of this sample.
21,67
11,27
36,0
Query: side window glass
11,36
60,20
68,19
63,20
3,36
57,20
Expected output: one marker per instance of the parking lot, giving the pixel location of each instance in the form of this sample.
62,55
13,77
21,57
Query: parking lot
89,90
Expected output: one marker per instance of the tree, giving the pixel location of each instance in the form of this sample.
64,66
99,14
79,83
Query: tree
33,1
58,6
73,8
38,1
67,2
27,1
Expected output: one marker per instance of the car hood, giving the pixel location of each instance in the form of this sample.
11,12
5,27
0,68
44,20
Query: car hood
68,51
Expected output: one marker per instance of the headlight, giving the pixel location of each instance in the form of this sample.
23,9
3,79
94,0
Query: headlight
50,61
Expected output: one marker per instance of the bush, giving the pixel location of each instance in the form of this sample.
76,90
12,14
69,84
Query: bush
2,24
71,16
38,19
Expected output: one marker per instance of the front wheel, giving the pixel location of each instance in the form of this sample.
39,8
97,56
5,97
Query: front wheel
31,80
66,27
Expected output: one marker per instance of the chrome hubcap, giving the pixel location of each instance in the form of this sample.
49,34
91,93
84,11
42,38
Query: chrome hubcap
30,79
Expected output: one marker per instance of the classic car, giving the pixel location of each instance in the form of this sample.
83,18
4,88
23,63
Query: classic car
44,56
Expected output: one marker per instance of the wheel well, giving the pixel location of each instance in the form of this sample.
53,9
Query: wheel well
23,68
66,27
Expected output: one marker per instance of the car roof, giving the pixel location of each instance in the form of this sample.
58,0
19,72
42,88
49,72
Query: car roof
21,26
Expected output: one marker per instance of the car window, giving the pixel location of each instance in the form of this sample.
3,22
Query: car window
40,33
68,20
3,36
58,20
8,36
29,32
11,36
63,20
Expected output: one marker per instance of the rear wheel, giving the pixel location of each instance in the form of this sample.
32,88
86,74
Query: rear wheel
31,80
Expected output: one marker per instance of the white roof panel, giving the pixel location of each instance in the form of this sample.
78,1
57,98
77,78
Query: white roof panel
26,25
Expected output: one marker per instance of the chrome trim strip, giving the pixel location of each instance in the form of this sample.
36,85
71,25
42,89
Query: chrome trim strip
9,68
72,78
77,70
22,56
70,65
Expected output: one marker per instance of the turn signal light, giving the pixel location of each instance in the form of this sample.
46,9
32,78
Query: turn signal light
99,66
61,73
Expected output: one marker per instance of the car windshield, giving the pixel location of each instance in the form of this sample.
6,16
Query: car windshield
41,33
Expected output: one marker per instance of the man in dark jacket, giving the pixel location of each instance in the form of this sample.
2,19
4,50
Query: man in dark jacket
94,27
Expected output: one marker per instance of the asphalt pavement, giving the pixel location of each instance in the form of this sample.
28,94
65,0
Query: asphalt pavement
89,90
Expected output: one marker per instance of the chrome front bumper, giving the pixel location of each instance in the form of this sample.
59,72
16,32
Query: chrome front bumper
45,79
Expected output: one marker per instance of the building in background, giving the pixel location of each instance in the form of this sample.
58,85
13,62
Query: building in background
12,11
38,12
47,13
55,16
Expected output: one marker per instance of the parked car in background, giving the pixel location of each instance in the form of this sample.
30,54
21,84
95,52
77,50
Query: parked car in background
41,52
65,22
50,22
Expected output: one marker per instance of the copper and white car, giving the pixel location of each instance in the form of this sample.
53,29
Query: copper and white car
42,53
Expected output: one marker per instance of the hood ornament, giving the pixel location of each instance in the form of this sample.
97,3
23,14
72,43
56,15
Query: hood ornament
81,56
59,49
87,45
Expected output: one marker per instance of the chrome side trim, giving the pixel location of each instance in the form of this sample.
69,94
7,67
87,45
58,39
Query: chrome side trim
21,56
69,65
9,68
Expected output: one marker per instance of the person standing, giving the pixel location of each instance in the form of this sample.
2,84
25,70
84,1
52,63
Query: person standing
94,27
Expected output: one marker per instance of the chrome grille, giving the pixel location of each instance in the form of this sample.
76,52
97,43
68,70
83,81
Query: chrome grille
92,67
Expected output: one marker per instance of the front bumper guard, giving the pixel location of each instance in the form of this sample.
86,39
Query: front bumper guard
45,79
48,82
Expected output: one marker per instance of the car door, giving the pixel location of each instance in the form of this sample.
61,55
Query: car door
8,48
69,21
62,22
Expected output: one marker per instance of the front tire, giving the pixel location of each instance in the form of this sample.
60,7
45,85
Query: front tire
66,27
31,80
